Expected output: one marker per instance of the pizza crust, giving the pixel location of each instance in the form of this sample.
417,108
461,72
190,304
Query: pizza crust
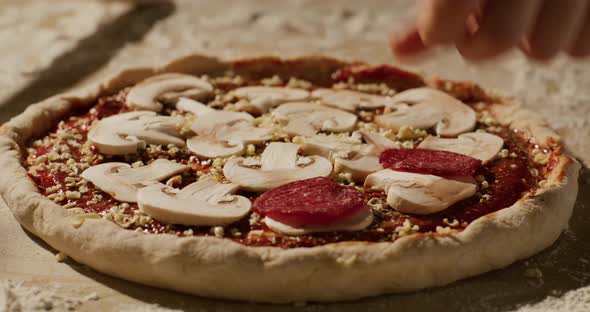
221,268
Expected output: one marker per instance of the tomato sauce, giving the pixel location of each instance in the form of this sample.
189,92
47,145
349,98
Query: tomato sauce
509,178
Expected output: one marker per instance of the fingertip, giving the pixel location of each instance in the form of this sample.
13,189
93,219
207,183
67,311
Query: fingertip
407,43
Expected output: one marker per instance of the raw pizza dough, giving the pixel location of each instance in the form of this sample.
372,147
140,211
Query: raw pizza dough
221,268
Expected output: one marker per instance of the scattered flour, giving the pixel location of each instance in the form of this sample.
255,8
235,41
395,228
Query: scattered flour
16,297
573,301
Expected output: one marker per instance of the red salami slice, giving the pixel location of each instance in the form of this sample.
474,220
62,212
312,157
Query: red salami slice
310,202
440,163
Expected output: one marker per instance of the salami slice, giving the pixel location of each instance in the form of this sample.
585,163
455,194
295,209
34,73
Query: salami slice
425,161
311,202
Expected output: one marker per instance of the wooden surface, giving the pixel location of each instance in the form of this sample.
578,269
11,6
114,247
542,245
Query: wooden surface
48,46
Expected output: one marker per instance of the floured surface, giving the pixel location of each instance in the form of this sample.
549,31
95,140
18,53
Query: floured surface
349,29
575,300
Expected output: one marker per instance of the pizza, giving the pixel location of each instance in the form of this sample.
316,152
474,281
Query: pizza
287,180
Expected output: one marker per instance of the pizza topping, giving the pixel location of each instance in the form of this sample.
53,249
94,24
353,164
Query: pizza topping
351,100
440,163
205,202
168,88
312,203
426,108
192,106
259,99
128,132
307,119
55,162
420,193
223,134
278,166
359,168
335,146
349,154
122,182
356,223
480,145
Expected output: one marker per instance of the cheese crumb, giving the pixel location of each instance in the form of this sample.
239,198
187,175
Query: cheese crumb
541,158
406,228
299,140
485,185
73,195
375,203
443,230
273,81
454,223
218,231
409,133
61,257
254,218
235,232
250,150
533,273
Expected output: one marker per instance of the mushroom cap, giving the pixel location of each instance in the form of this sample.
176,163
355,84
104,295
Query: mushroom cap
215,120
223,134
359,222
359,167
278,165
262,98
378,141
212,147
144,95
205,202
330,147
420,193
193,106
426,108
349,154
122,182
307,119
126,133
349,100
480,145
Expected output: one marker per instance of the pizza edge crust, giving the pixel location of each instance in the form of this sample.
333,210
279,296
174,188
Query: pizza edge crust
221,268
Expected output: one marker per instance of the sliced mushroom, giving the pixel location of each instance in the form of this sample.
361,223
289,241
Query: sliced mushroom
205,202
193,106
170,87
213,121
122,182
349,154
379,142
278,165
420,193
302,118
359,167
480,145
126,133
356,223
223,134
351,100
426,108
331,146
260,99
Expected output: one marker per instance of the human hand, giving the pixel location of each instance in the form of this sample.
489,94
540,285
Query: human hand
482,29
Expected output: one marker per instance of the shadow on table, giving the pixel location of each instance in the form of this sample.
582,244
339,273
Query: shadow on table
88,56
563,266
